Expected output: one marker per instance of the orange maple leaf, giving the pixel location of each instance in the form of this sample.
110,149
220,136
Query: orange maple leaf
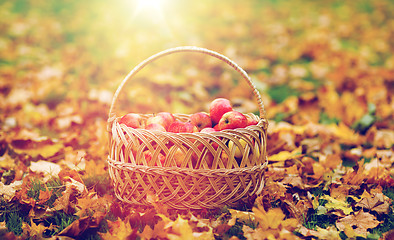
44,196
158,231
120,230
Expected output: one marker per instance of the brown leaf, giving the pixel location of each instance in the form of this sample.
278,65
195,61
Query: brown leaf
75,228
378,202
298,210
35,231
340,192
360,222
295,181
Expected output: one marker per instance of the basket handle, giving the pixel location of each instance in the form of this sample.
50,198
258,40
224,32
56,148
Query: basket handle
112,116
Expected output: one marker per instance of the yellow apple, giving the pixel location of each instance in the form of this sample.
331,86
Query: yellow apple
238,152
178,155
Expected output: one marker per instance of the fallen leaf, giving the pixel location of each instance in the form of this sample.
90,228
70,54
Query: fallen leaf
92,203
320,233
119,230
8,191
360,222
157,232
38,146
295,181
273,219
259,233
80,225
44,196
63,202
285,155
179,229
241,215
340,192
35,231
334,204
329,233
269,220
378,203
48,169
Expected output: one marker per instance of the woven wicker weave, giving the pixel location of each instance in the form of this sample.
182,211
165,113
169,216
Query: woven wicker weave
217,169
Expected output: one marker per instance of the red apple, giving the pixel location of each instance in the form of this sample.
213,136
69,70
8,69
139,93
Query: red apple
201,120
208,130
162,118
133,120
182,127
149,157
251,120
218,107
155,127
232,120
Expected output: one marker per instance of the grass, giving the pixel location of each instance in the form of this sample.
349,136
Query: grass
235,230
13,222
60,220
14,214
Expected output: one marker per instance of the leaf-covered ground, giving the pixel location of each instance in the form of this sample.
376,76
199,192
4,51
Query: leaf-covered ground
325,70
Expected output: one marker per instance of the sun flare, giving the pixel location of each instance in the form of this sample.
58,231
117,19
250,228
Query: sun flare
147,4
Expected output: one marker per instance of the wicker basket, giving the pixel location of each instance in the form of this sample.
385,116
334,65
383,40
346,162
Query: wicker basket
217,169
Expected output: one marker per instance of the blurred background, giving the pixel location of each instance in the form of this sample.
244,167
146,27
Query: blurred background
310,60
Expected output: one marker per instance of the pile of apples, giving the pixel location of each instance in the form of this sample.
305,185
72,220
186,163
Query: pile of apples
221,116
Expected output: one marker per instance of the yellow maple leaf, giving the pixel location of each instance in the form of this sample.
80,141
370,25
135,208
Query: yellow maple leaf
269,220
119,230
158,231
337,204
179,229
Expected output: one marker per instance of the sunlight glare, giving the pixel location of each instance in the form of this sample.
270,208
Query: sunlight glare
149,4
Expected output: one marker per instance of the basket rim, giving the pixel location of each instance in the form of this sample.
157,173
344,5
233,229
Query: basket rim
185,171
262,123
